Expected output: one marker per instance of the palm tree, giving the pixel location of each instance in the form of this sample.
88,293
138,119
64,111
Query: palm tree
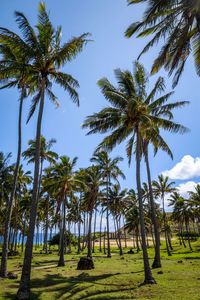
110,170
93,181
13,74
131,115
45,154
61,182
178,22
161,187
46,55
133,217
118,202
194,201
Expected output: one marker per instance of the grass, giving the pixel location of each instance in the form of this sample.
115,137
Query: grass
115,278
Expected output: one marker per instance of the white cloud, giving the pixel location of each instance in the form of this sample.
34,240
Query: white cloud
183,190
187,168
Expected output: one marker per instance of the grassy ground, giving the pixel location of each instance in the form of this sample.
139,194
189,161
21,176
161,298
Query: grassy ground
115,278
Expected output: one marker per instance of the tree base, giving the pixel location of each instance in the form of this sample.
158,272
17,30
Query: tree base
61,264
23,294
156,265
149,281
85,263
12,275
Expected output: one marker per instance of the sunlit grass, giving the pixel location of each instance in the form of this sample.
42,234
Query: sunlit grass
115,278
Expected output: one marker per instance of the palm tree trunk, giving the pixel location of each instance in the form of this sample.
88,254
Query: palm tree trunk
165,225
137,240
79,226
95,218
61,261
188,238
100,230
23,233
46,227
104,241
107,219
24,288
3,270
169,241
119,236
89,254
157,261
148,274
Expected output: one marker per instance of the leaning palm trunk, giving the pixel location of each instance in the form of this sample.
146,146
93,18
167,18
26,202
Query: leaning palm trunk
3,271
24,288
148,274
157,262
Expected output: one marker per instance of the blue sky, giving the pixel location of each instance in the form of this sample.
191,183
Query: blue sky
106,20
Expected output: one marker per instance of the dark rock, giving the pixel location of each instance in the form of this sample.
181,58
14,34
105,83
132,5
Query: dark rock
85,263
13,253
131,251
12,275
180,261
160,272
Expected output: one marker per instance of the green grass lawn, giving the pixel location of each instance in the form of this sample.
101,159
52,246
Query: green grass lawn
114,278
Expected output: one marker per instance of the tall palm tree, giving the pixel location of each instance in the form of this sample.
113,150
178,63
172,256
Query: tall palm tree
178,22
160,188
131,115
160,108
46,56
92,182
13,74
110,170
118,203
61,182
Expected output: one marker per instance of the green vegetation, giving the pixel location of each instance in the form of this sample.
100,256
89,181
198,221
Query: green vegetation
59,196
114,278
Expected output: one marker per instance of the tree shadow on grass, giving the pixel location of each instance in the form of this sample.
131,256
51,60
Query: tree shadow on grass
72,286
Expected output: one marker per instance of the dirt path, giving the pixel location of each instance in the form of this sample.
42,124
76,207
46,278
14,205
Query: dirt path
47,266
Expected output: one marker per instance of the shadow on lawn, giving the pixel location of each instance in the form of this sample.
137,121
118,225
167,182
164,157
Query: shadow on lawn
71,286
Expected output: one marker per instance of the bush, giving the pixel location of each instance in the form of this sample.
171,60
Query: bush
189,234
69,239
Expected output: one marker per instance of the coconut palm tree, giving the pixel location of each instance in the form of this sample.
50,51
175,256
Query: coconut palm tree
129,116
61,182
178,22
12,75
160,188
118,203
45,154
92,182
46,56
110,170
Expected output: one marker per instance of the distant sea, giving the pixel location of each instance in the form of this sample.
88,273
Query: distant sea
41,238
